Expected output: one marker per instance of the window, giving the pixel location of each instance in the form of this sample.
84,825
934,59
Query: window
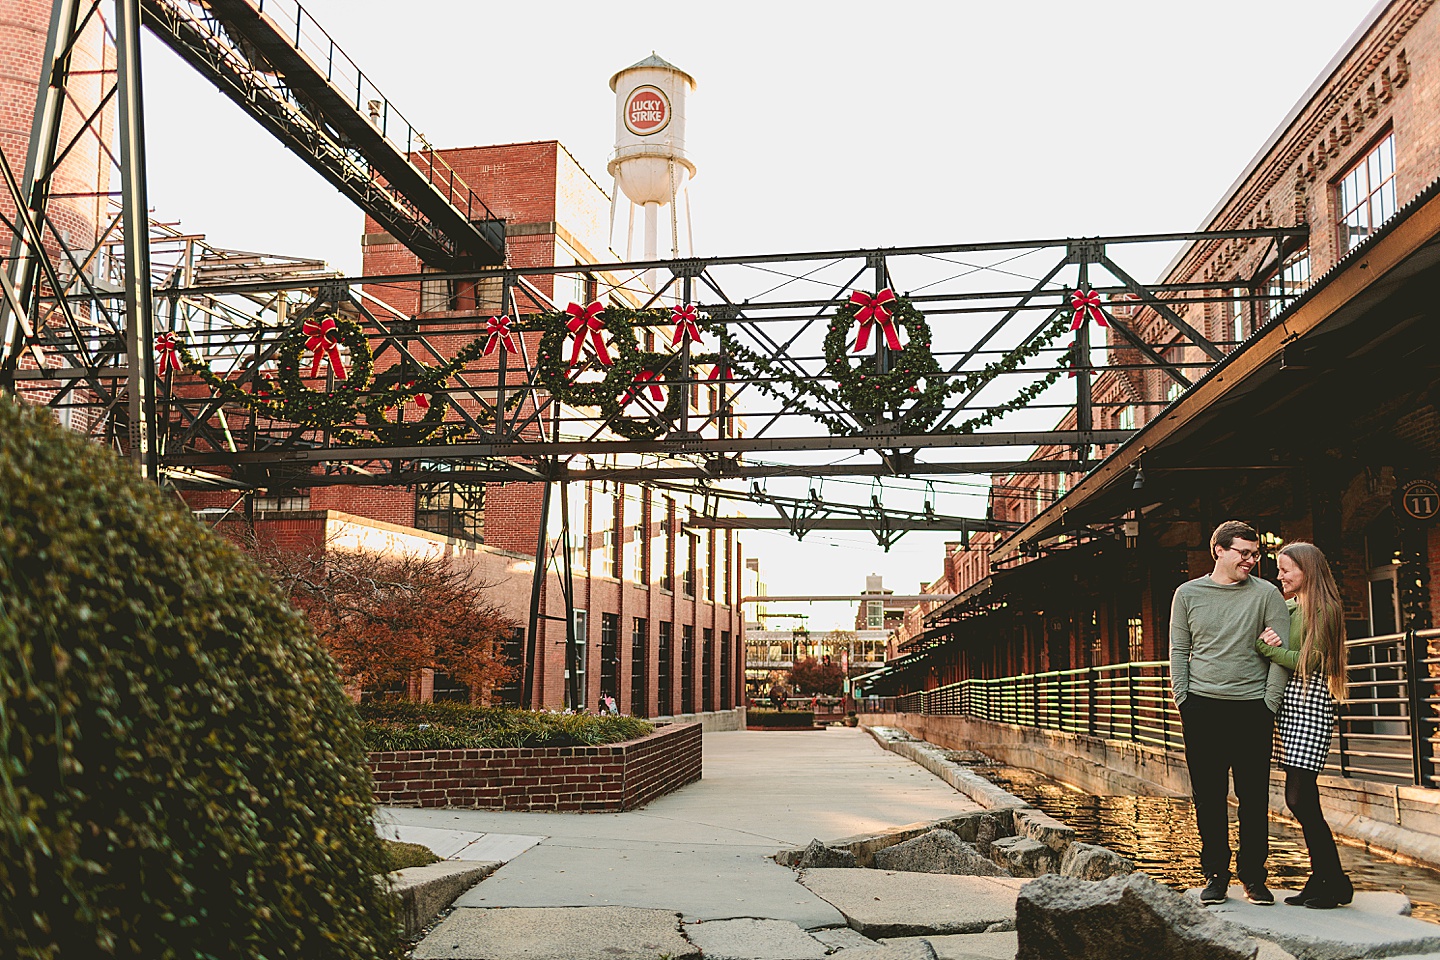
1287,283
1126,420
727,681
1365,194
1135,633
442,294
666,541
692,547
447,689
452,508
283,504
606,539
664,668
709,572
1173,391
512,649
728,541
1236,309
687,668
610,655
707,669
581,632
639,661
632,514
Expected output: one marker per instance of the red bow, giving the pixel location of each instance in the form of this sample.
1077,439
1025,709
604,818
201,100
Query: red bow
421,401
325,343
719,372
685,326
1087,306
500,336
644,377
872,311
585,320
167,348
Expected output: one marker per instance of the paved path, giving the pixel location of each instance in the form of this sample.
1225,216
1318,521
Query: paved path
692,871
703,851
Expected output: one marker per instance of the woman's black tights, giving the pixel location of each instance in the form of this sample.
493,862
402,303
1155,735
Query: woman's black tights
1302,796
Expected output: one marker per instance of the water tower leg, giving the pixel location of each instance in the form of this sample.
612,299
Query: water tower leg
652,240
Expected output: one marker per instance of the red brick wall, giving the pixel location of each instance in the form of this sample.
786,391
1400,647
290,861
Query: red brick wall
610,778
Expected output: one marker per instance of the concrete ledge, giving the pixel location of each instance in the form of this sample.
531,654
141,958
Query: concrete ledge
424,891
933,758
714,721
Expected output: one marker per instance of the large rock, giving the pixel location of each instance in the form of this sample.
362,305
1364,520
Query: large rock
1086,861
1122,918
991,827
1023,857
938,851
1038,825
816,854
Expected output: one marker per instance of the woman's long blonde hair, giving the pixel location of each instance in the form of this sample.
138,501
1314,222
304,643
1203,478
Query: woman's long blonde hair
1323,651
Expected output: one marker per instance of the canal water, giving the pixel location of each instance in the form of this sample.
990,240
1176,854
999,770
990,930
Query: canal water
1159,835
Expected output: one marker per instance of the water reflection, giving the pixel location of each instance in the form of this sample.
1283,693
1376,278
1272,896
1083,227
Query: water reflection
1159,834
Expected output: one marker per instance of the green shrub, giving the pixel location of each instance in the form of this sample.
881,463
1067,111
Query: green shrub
181,775
756,717
396,725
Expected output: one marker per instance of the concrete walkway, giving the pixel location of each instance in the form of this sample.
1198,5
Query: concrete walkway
690,875
701,852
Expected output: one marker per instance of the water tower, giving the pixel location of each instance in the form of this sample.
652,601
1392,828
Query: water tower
649,164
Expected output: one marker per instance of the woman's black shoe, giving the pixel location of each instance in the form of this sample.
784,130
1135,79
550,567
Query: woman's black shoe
1312,884
1336,892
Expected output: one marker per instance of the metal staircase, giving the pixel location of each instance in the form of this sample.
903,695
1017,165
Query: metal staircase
278,65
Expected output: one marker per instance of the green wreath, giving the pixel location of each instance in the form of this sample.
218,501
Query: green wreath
863,388
624,375
316,408
391,392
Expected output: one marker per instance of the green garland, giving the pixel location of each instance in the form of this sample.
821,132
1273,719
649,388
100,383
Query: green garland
554,373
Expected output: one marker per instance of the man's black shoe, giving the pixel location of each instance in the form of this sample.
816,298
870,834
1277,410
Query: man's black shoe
1259,894
1216,891
1312,887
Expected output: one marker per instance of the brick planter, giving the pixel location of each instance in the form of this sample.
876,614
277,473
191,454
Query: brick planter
617,776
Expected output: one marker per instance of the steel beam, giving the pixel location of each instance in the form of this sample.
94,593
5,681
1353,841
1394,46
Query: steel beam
139,308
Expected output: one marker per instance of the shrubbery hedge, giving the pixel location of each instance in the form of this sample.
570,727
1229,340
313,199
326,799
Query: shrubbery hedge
395,725
181,775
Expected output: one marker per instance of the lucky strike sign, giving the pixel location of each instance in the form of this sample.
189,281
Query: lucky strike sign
647,110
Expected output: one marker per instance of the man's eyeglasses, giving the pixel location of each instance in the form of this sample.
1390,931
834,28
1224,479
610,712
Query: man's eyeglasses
1245,554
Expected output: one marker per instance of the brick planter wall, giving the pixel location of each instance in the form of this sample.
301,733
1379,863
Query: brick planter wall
617,776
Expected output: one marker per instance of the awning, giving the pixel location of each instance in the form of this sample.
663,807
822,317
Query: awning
1320,348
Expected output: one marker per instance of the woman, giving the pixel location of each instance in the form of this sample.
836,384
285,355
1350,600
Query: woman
1316,654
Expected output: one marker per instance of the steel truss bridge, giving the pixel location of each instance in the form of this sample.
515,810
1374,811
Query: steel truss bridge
762,399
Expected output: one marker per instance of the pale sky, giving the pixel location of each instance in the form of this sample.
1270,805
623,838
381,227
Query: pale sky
814,126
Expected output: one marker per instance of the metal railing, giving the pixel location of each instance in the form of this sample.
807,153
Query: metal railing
1385,726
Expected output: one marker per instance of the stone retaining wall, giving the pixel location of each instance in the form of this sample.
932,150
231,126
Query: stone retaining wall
609,778
1396,819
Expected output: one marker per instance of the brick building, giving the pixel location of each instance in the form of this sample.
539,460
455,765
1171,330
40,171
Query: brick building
1320,413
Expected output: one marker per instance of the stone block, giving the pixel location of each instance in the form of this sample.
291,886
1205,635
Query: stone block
751,939
1038,825
816,854
1086,861
1122,918
1023,857
991,827
938,851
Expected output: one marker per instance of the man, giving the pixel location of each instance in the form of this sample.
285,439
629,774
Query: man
1228,695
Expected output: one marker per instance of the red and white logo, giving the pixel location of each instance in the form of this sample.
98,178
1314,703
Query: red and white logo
647,111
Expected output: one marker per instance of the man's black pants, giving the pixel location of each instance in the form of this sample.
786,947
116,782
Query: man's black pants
1221,737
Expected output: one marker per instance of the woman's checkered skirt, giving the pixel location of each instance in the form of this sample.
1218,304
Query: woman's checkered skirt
1306,722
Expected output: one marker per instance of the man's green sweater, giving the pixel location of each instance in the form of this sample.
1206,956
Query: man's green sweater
1213,627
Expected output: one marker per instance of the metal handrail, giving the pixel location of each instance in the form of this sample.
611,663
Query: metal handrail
1132,702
